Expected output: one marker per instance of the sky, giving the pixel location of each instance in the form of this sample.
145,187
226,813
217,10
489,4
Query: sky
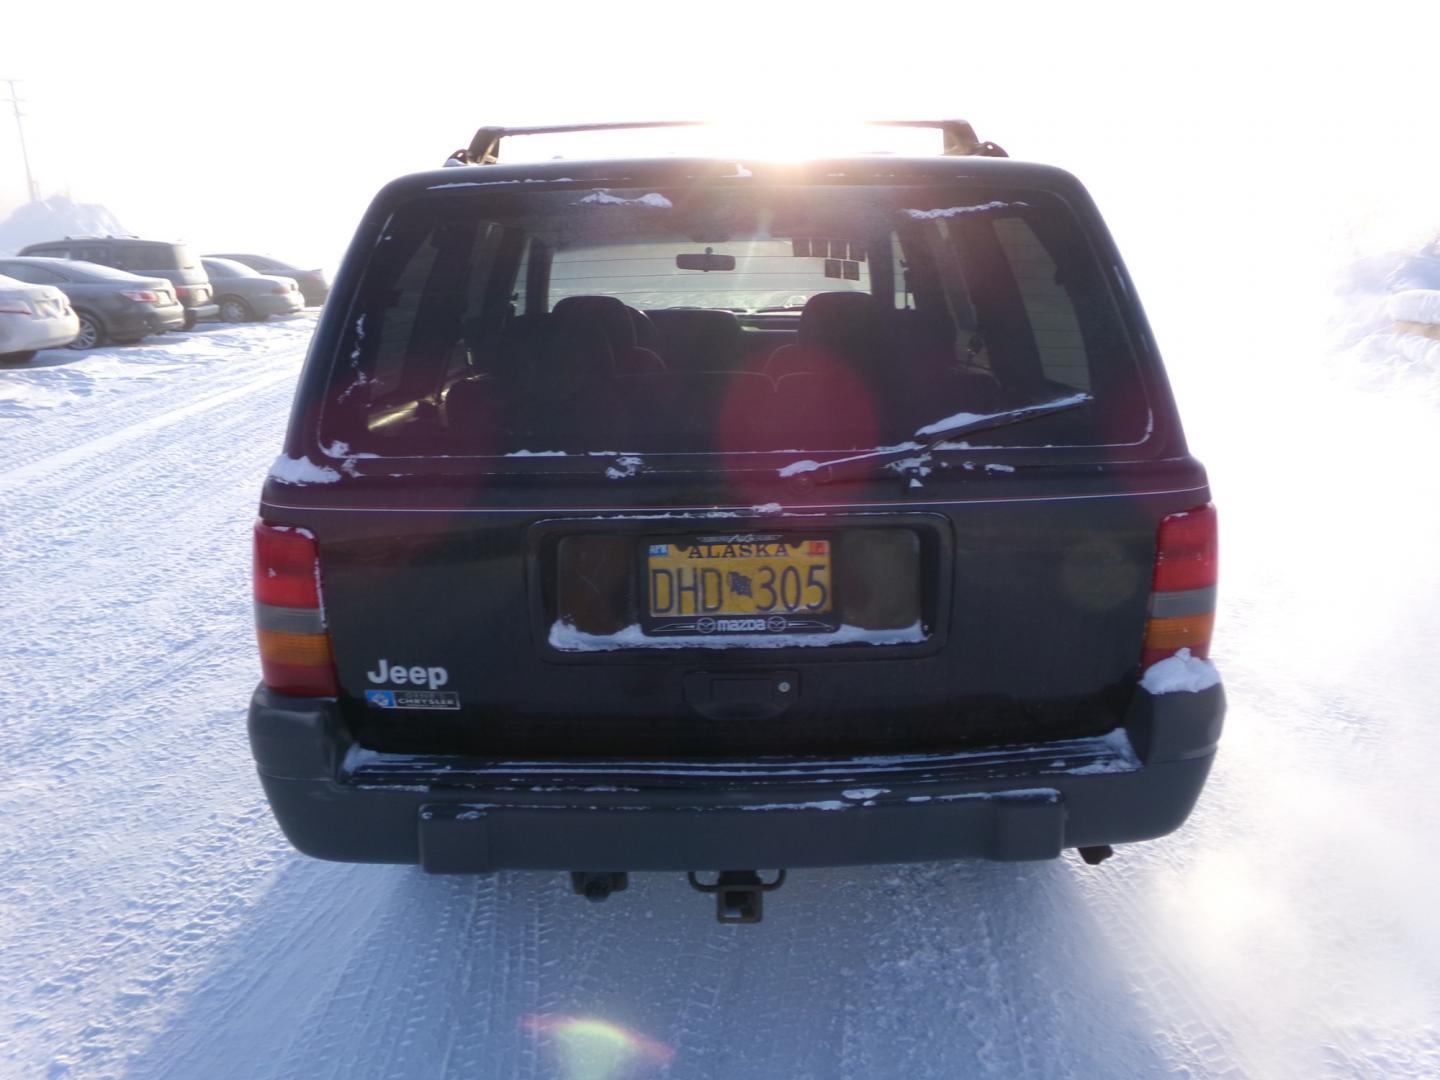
1196,127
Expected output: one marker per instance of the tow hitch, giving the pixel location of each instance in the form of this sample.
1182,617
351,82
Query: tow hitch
597,885
739,894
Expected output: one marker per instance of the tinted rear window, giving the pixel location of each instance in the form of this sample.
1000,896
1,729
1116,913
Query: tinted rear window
728,321
142,257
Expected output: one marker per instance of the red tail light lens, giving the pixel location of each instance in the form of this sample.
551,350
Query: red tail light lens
295,652
280,290
287,567
1182,597
1187,550
143,297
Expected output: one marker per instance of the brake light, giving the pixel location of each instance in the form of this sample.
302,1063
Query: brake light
143,297
15,307
295,653
1182,595
182,290
280,290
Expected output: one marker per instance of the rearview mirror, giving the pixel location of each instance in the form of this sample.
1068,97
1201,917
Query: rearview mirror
706,262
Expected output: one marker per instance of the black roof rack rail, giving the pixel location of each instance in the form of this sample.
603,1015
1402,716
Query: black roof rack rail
484,149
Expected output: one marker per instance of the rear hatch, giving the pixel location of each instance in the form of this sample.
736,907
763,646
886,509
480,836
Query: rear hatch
899,492
177,263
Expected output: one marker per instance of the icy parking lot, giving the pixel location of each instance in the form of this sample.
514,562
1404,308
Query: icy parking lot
155,924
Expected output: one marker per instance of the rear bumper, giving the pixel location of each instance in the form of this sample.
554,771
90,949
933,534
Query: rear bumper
149,319
272,304
337,801
24,333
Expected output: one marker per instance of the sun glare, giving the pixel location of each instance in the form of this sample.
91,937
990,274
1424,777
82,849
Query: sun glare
740,139
589,1048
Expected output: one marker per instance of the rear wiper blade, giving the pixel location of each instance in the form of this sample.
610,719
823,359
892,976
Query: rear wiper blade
927,438
966,423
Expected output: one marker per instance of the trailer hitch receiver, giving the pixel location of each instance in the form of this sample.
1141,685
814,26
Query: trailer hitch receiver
597,885
739,894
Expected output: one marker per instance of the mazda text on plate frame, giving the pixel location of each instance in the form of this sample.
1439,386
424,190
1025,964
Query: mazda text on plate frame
758,515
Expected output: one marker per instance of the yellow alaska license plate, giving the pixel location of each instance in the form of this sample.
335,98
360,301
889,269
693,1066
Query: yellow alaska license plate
744,584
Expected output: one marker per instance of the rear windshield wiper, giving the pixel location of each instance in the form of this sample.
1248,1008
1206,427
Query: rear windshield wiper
926,439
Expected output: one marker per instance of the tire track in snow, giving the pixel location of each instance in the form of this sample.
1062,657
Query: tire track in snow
54,463
105,813
136,383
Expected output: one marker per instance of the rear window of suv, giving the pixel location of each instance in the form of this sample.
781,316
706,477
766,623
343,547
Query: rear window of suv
727,320
143,257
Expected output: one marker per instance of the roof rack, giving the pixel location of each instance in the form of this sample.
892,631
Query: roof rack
959,139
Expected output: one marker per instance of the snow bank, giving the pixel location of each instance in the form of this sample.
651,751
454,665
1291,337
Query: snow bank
1417,306
1181,673
54,219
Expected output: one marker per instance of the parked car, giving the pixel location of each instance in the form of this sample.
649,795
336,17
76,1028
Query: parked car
33,317
893,552
313,283
176,263
112,305
245,295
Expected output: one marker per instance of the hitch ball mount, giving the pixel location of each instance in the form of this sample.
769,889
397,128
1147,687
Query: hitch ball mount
739,894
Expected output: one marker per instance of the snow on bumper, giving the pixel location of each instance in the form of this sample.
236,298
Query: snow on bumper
336,801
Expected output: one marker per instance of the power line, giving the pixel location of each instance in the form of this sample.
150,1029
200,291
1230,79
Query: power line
15,101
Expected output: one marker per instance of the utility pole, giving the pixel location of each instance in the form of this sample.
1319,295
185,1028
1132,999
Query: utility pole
30,184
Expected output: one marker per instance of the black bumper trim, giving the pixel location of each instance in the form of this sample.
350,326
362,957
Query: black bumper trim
336,802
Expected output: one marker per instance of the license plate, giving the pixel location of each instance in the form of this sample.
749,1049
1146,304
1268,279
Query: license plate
746,584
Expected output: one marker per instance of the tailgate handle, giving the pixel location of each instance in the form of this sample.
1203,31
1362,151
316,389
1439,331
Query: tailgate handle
750,695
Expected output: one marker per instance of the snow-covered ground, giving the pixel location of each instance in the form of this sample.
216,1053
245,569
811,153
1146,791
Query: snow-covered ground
153,923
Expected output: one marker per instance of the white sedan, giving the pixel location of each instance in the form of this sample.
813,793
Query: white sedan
33,317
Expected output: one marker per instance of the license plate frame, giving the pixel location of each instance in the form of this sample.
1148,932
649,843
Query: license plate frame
728,613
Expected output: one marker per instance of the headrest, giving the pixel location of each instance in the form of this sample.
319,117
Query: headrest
698,339
838,320
645,335
605,312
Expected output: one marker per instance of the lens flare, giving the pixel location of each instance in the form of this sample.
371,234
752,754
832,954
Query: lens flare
589,1048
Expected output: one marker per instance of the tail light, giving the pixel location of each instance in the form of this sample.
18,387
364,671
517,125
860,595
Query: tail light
1182,595
15,307
182,290
281,290
143,296
295,653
